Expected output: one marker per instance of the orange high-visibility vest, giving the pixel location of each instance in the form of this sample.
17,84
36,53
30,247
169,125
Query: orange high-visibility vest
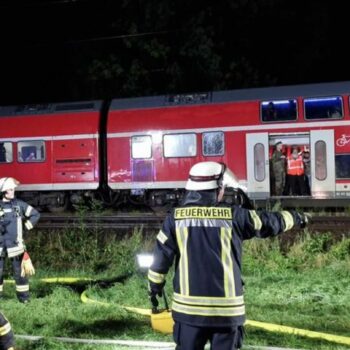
295,166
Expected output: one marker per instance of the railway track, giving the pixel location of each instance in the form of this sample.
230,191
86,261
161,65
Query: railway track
151,221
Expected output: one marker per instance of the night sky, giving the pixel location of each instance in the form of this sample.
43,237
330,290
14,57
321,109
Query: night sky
64,50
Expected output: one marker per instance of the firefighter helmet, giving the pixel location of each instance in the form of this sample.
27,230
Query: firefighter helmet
8,183
205,176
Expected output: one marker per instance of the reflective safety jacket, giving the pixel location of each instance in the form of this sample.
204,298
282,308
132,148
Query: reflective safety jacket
7,340
206,244
295,166
13,215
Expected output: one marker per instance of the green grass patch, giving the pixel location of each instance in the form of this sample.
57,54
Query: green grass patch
302,284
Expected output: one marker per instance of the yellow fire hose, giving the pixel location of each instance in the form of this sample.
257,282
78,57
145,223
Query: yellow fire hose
163,323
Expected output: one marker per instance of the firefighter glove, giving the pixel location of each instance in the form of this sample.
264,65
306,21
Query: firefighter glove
303,220
154,290
27,268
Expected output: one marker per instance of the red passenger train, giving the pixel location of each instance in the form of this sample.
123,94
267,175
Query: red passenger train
141,149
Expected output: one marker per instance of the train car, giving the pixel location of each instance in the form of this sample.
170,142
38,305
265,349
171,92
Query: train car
152,142
52,149
140,150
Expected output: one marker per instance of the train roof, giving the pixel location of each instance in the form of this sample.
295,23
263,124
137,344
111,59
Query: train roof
277,92
50,108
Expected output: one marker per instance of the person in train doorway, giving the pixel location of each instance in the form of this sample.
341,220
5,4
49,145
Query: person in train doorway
7,340
15,216
204,236
278,165
296,173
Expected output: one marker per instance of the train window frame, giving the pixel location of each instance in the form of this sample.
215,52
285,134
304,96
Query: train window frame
337,156
222,143
327,117
28,160
7,161
274,102
259,164
180,134
149,149
319,167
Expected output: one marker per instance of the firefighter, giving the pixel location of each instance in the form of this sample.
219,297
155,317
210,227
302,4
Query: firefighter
7,341
15,216
204,237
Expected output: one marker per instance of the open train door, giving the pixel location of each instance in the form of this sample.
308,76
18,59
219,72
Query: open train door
258,165
322,163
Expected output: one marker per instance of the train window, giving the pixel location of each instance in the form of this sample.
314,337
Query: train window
141,147
213,143
342,169
279,110
31,151
6,152
320,160
259,162
180,145
323,108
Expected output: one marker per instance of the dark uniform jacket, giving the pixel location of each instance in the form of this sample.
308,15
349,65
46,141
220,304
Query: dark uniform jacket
13,215
206,243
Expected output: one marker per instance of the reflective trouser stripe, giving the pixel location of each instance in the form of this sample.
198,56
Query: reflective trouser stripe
227,263
1,288
182,237
209,311
23,288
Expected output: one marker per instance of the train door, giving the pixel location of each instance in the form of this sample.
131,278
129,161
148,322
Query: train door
322,163
258,174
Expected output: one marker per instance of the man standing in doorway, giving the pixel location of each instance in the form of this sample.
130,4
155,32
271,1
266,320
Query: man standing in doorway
278,164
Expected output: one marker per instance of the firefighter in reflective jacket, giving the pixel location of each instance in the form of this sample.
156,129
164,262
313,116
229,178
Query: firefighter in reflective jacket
7,340
205,238
14,214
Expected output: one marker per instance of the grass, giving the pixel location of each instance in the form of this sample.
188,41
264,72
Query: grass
303,284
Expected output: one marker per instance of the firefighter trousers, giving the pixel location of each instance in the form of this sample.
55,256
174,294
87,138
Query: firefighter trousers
194,338
7,340
22,283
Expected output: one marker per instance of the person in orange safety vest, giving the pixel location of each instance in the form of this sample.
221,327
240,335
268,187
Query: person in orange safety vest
296,174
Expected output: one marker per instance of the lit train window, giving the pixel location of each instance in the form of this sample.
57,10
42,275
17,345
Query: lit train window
141,147
342,169
6,152
323,108
31,151
320,160
180,145
279,110
259,162
213,143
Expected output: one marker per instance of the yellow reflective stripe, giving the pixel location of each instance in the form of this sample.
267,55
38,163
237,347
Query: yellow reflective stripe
203,213
209,311
24,288
288,220
210,301
162,238
256,220
182,236
28,225
227,263
1,287
5,329
155,276
28,211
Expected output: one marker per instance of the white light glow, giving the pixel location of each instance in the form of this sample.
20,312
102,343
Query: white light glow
144,260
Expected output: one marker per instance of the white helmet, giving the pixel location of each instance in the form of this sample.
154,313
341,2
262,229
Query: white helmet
8,183
210,175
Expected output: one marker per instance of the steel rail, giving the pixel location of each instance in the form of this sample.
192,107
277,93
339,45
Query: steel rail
152,221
